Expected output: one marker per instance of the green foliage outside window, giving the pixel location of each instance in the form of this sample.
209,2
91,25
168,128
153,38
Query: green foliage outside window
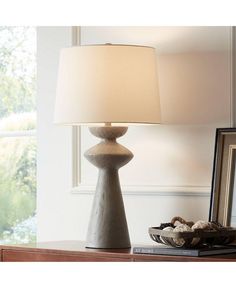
17,154
17,70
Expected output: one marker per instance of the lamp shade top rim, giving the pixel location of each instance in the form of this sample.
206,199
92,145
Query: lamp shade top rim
102,123
109,45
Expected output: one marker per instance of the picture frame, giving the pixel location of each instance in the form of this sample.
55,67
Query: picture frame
223,191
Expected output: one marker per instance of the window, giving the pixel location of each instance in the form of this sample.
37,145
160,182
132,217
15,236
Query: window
17,134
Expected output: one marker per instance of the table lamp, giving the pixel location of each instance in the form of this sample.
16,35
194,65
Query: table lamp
107,87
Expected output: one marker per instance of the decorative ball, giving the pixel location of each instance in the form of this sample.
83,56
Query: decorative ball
181,228
200,224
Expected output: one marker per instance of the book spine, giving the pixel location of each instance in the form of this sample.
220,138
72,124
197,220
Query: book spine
163,251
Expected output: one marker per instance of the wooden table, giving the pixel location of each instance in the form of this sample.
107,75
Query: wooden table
76,251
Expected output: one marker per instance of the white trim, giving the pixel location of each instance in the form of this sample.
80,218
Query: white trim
151,190
20,133
76,131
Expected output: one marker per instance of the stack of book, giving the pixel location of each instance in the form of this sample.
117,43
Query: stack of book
160,249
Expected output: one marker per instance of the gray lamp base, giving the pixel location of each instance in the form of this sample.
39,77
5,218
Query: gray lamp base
108,225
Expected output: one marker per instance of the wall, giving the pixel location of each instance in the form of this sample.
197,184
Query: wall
172,163
54,201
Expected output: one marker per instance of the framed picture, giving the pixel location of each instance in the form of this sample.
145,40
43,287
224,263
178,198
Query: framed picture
223,194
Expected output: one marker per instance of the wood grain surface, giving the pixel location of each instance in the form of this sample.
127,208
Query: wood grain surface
66,251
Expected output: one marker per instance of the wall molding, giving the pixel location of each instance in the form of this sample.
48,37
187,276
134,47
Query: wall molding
151,190
76,131
21,133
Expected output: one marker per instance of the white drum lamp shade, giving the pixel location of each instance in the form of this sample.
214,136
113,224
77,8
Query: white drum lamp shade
111,85
107,84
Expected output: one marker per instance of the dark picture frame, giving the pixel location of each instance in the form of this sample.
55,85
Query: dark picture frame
223,191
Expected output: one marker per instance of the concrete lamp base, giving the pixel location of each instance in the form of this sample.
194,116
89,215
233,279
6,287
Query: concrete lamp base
108,225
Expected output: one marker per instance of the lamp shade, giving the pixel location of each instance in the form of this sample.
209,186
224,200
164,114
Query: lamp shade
107,84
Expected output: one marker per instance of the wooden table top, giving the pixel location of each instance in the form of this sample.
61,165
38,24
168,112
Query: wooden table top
78,248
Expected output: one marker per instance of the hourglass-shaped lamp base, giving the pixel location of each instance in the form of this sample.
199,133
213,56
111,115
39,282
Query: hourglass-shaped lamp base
108,225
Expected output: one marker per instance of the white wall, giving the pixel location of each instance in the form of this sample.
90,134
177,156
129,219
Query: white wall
195,90
195,87
54,203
